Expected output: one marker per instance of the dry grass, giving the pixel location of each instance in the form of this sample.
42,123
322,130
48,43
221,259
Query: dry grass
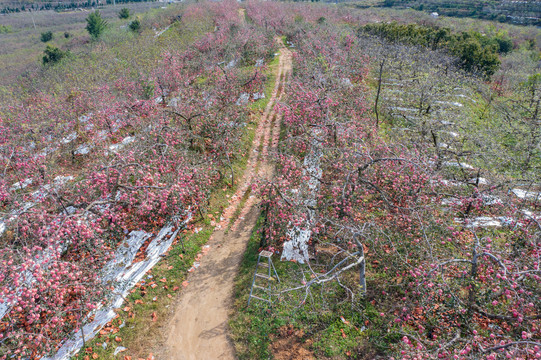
21,50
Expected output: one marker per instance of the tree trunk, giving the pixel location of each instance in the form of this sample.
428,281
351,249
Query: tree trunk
362,273
381,65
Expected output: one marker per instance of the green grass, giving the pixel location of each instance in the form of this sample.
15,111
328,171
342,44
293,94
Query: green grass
251,326
261,104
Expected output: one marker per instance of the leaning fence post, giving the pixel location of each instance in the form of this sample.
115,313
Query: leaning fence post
362,267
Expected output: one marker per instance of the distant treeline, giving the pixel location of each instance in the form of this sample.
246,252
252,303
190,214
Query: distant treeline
477,52
60,6
526,12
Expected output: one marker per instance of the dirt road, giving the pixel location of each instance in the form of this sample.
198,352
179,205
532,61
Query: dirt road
199,329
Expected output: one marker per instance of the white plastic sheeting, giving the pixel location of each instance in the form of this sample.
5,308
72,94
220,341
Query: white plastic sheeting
43,192
257,96
528,195
69,138
83,149
480,181
446,182
21,184
452,103
457,164
452,133
233,63
174,102
122,273
296,247
405,109
530,214
4,308
488,221
85,118
48,150
491,200
120,145
450,201
346,82
159,33
243,99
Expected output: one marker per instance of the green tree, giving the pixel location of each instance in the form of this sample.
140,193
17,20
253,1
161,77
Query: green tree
476,52
475,57
53,55
505,44
135,25
95,24
124,13
46,36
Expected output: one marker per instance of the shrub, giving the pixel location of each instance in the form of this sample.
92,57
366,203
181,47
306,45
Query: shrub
4,29
135,25
474,57
476,52
124,13
46,36
505,45
67,35
95,24
53,55
501,18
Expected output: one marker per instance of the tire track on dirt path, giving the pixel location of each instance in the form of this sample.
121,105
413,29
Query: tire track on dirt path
199,326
